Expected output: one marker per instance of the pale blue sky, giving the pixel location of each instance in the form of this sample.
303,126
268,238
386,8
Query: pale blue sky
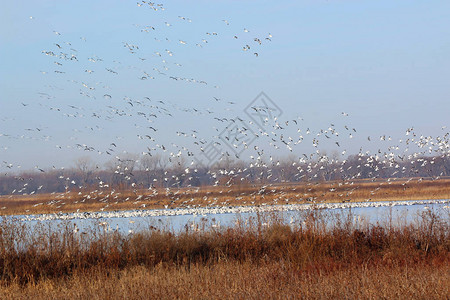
385,63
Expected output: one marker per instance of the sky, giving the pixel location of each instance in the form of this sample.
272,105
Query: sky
80,76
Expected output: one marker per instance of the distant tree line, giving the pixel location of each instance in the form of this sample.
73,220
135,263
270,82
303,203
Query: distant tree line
143,172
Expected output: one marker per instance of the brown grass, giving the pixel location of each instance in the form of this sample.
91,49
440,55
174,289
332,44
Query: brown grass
261,258
245,281
246,194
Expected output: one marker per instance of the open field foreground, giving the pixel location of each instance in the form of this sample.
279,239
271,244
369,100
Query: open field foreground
235,195
265,258
246,281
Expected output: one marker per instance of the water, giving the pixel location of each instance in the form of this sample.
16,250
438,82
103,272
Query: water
176,220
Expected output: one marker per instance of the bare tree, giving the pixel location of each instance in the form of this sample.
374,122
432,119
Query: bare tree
150,165
122,168
178,167
288,168
86,166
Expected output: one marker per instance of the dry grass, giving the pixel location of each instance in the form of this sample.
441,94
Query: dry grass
261,258
221,195
245,281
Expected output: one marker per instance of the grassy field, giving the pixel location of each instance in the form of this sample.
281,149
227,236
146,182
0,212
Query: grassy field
108,199
259,259
245,281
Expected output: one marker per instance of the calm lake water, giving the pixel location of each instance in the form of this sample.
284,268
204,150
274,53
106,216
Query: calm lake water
177,220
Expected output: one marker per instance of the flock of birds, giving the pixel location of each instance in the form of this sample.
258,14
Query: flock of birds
205,211
253,137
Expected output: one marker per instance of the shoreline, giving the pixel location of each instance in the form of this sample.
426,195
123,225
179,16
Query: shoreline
218,210
222,196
